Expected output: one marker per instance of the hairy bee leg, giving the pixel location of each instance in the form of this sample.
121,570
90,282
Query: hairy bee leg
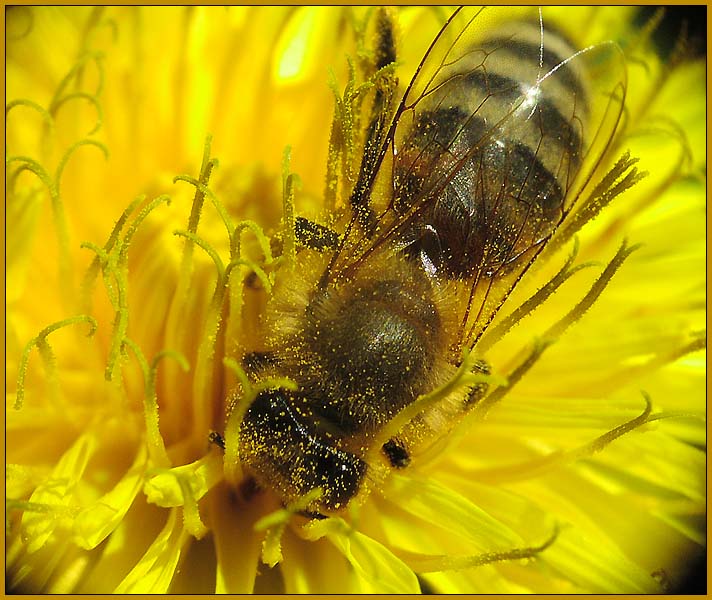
215,438
396,453
479,390
252,281
312,515
314,236
254,362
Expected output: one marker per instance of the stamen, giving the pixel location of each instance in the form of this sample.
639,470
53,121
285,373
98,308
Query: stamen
178,319
236,284
497,332
600,197
538,466
275,523
259,271
422,563
290,182
60,222
463,377
258,232
206,169
209,250
46,353
556,330
102,258
89,98
345,125
70,151
205,190
203,378
552,334
75,73
121,318
240,404
46,117
94,23
602,441
154,439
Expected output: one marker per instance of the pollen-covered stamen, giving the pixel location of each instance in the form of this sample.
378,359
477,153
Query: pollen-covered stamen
258,232
156,444
121,317
47,355
556,330
206,191
203,380
274,524
538,466
498,331
235,272
421,563
178,319
102,254
290,183
466,376
620,178
342,138
552,334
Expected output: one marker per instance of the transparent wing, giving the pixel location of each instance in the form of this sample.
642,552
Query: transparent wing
495,137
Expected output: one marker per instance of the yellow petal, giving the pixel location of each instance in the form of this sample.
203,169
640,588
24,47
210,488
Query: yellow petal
57,494
237,544
597,567
381,571
432,503
95,522
155,570
164,488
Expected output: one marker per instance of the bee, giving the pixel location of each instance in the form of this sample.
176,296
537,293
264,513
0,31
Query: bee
462,183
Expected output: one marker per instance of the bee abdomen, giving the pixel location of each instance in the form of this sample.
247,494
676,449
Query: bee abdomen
375,347
492,152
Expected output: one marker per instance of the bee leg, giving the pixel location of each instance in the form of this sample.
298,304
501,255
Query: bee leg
478,391
396,453
253,282
254,362
312,515
314,236
215,438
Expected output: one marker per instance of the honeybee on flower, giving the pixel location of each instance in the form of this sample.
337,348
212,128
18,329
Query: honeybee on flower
182,290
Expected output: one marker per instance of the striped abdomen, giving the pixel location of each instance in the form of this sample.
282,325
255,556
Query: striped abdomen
483,169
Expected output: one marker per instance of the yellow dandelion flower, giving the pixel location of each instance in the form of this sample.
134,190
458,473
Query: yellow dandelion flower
151,210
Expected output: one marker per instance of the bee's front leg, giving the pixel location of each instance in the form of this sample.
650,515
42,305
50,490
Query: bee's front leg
315,236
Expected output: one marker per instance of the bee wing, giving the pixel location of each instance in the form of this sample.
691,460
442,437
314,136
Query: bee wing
496,136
